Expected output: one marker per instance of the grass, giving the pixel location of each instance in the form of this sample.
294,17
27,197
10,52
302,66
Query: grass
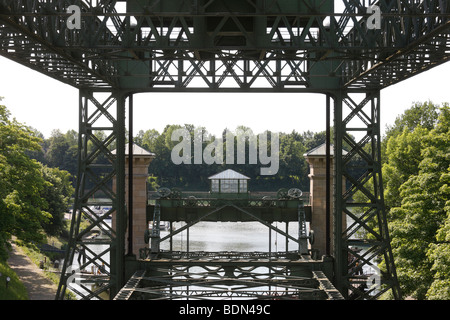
16,290
36,257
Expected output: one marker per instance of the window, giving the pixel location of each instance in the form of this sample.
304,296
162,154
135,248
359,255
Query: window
228,186
242,186
215,186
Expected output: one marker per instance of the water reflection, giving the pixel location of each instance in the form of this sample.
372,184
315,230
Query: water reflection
209,237
231,236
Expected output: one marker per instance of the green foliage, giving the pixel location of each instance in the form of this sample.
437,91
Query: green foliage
61,150
33,197
423,115
57,192
417,188
293,170
16,290
403,155
21,180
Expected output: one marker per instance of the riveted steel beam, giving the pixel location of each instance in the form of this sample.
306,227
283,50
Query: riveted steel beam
301,46
101,174
361,236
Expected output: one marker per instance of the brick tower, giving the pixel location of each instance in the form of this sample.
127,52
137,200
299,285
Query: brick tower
316,159
141,161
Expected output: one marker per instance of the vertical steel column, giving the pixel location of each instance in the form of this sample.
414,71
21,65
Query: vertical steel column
73,247
361,235
121,212
270,242
340,260
130,174
286,238
327,178
101,129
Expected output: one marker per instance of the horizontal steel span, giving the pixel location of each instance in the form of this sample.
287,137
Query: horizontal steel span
223,210
253,46
215,282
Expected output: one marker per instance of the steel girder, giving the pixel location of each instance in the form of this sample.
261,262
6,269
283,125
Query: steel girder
234,205
149,47
102,128
357,126
275,282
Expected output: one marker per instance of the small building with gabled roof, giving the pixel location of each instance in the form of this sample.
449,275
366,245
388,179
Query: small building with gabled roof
229,181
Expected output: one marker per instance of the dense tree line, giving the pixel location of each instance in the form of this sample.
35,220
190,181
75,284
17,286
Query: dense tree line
293,169
60,151
33,196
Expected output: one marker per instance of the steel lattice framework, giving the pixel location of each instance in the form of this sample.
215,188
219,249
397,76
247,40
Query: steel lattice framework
214,283
154,47
128,47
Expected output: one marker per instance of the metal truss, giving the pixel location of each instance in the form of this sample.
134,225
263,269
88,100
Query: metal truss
188,45
194,210
217,283
357,123
102,128
222,46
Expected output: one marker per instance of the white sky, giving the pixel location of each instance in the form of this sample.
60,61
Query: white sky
46,104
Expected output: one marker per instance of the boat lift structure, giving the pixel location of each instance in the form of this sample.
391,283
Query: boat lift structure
172,274
111,50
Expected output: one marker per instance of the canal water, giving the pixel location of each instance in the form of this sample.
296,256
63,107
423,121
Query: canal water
220,237
215,237
232,236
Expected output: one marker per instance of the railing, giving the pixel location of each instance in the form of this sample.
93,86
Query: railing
144,254
207,199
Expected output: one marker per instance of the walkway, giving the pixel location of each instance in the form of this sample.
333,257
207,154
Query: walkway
38,286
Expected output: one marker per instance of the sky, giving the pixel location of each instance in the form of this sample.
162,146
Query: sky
46,104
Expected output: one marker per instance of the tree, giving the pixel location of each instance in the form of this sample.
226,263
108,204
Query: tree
293,166
147,139
21,182
423,115
436,166
57,193
403,155
420,217
57,149
60,151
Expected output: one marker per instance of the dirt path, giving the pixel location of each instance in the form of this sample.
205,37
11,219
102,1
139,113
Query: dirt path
38,286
